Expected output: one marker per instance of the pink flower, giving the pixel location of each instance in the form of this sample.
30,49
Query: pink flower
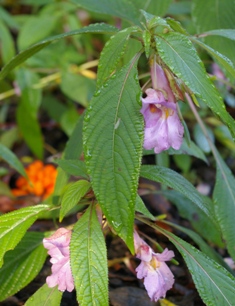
58,249
158,278
163,128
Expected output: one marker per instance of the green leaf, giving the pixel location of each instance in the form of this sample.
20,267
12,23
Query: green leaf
13,226
73,167
177,182
77,87
35,29
220,58
24,55
216,14
89,260
27,110
177,51
113,134
7,45
228,33
11,159
224,200
111,54
198,219
73,194
213,282
190,149
45,296
158,8
119,8
140,207
22,264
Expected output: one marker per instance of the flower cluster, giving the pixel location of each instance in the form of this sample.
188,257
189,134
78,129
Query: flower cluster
163,128
158,278
58,249
40,183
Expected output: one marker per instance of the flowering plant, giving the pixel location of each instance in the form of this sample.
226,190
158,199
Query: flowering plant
130,112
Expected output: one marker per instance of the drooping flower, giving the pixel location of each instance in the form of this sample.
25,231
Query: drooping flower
58,249
163,128
158,278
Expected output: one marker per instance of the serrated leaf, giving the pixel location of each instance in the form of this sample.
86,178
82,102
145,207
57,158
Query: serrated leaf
22,264
198,219
13,226
89,260
11,159
111,54
113,134
204,246
213,282
72,195
220,58
224,200
147,42
24,55
45,296
177,182
140,207
178,53
73,167
119,8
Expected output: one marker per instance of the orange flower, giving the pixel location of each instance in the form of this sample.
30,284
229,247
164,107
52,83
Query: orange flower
41,180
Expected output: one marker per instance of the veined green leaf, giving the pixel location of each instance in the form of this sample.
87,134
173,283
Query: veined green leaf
220,58
119,8
224,199
177,51
22,264
111,54
73,194
14,225
24,55
89,260
177,182
45,296
113,134
11,159
207,274
158,8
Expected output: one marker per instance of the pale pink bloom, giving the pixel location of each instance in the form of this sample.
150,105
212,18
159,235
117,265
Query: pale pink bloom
158,278
58,249
163,128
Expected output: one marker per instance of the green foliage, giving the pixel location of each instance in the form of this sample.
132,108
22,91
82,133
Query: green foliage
45,296
72,195
212,15
110,143
22,264
7,45
73,167
24,55
207,274
178,53
224,200
12,159
14,226
89,260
